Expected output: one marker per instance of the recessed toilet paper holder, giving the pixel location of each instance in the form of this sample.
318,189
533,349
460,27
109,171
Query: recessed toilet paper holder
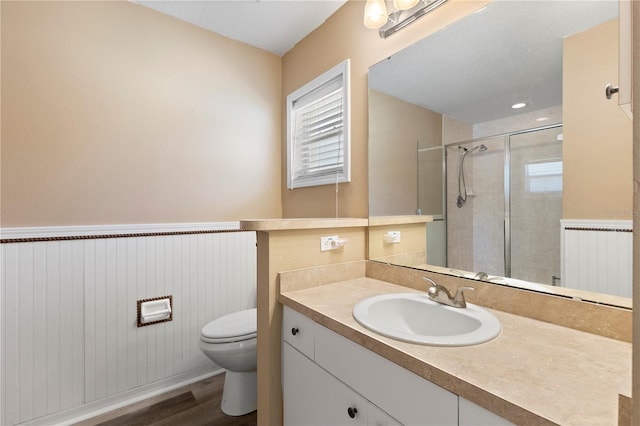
155,310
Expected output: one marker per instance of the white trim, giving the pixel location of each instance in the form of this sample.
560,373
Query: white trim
596,223
93,230
96,408
344,69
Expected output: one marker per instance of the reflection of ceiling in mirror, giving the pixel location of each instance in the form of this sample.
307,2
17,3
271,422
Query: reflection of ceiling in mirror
508,52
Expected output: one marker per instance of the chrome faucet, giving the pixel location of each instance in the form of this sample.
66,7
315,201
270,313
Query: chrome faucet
440,294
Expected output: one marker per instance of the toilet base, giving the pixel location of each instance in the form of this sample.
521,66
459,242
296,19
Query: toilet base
240,393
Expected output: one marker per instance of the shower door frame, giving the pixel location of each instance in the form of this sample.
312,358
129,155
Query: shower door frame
507,187
507,191
420,212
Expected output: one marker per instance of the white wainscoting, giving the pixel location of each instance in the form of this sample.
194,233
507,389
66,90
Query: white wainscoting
69,334
597,256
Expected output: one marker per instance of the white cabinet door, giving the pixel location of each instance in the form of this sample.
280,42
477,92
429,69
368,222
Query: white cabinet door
471,414
407,397
377,417
311,396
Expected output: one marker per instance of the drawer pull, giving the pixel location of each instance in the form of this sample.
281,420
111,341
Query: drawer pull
352,411
295,331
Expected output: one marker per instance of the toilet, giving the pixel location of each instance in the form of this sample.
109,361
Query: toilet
230,342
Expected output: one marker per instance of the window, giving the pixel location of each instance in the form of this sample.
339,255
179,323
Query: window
544,176
318,137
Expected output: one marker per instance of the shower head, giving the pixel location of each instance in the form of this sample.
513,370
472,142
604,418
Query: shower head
481,147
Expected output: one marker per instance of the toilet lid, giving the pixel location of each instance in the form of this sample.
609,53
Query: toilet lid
232,327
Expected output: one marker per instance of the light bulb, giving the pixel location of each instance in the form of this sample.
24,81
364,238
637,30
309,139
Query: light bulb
404,4
375,14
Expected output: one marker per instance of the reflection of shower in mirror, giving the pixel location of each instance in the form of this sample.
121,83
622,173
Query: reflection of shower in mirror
462,186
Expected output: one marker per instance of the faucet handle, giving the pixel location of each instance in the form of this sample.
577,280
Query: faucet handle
429,280
435,290
459,297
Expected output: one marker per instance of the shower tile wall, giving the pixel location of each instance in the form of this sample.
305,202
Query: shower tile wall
488,206
455,130
476,230
459,220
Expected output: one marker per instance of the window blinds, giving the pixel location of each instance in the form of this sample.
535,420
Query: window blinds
318,151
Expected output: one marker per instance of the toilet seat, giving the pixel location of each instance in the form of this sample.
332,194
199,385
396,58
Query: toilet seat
235,327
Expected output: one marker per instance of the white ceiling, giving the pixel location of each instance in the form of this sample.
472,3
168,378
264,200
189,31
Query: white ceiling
272,25
476,68
472,70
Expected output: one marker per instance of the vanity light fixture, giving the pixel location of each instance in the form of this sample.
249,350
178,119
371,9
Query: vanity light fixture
519,105
376,15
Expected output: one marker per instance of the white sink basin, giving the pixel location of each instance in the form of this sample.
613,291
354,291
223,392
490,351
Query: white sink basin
414,318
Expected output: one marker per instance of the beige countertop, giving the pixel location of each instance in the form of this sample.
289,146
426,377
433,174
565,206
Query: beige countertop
533,373
301,223
398,220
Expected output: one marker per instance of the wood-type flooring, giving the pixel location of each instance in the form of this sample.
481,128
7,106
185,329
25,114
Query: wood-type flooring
193,405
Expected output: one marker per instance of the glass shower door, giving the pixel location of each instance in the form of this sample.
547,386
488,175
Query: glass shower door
535,205
431,201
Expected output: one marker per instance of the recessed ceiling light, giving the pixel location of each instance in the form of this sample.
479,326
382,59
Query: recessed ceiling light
518,105
542,118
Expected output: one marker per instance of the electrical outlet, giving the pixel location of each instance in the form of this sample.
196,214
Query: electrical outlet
392,237
328,243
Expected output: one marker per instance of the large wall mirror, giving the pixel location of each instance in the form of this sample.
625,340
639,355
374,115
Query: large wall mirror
498,127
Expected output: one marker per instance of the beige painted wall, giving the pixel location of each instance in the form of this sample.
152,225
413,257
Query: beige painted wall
343,36
115,113
410,251
286,250
396,129
597,146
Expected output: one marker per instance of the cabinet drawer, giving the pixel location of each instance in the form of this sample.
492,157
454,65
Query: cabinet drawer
311,396
298,331
407,397
377,417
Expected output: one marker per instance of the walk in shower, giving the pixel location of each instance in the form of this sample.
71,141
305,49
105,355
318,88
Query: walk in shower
502,204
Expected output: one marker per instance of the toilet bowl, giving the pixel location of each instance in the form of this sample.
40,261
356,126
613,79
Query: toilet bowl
230,342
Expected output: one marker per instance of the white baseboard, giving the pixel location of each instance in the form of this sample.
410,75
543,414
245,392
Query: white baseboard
123,399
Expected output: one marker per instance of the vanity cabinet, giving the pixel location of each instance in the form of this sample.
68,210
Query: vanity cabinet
313,396
328,379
